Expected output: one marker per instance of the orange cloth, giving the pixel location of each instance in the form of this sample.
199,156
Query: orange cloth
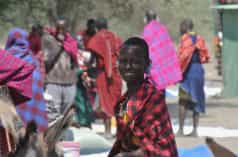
186,49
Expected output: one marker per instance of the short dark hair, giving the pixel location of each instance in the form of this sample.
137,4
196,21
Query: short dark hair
150,15
91,27
36,27
101,23
140,44
188,23
91,22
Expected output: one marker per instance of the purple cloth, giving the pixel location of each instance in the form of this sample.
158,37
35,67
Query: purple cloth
17,75
165,69
35,108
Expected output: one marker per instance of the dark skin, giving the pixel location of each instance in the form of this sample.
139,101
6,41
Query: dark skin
150,15
60,29
132,66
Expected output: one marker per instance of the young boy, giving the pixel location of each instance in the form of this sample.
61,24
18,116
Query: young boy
143,123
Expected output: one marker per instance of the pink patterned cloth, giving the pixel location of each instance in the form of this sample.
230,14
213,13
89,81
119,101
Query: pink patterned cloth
17,75
69,44
165,69
69,148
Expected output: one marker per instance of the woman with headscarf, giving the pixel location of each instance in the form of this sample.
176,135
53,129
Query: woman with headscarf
34,109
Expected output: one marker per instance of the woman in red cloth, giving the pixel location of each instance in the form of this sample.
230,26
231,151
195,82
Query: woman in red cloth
105,45
192,53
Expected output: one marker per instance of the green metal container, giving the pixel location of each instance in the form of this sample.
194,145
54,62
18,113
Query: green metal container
230,49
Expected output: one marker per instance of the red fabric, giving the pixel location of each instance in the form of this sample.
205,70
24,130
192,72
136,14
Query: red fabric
148,126
35,42
36,47
69,44
164,69
85,37
186,49
17,75
105,45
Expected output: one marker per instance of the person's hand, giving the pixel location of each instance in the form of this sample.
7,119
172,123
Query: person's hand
60,37
123,154
60,44
8,119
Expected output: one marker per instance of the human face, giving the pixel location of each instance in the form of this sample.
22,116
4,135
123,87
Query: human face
132,65
60,30
183,28
60,26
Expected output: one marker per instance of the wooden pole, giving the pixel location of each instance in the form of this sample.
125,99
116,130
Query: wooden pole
8,140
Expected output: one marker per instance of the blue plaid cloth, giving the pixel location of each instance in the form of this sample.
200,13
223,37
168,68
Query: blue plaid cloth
34,109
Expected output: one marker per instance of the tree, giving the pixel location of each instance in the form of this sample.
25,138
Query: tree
26,12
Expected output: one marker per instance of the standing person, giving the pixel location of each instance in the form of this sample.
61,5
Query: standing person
60,56
165,69
143,123
192,53
85,87
84,112
89,32
34,109
34,39
105,45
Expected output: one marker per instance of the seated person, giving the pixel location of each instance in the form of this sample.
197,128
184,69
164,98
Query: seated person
143,123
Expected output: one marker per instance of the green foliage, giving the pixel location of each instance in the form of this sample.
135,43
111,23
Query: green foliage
125,16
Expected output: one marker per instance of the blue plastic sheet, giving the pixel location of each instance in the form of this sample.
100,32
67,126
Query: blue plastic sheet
198,151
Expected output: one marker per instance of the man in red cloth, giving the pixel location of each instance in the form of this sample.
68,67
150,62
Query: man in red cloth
88,33
105,45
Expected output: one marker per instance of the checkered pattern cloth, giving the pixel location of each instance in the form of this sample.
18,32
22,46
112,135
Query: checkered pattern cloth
148,127
17,75
187,47
35,108
165,69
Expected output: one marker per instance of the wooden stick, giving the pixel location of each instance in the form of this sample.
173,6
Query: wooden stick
9,147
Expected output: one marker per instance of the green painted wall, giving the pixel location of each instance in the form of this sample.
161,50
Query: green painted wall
230,52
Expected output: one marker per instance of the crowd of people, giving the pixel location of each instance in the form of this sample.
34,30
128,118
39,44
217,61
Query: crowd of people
47,71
